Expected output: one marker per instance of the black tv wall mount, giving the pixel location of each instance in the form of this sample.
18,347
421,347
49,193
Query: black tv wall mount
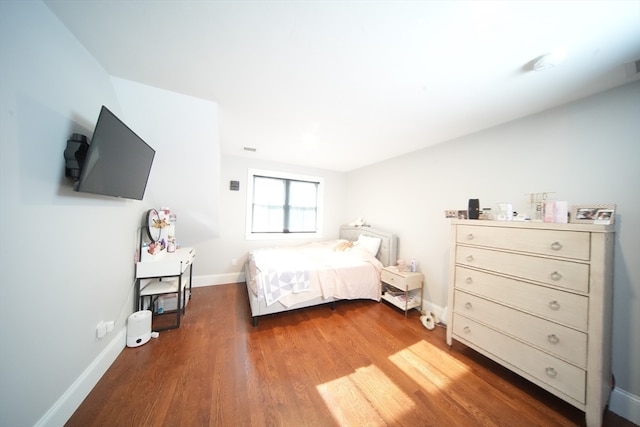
74,155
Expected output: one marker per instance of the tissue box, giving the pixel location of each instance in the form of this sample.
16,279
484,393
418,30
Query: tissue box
169,302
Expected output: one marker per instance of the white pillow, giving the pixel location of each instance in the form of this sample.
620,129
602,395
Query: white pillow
371,244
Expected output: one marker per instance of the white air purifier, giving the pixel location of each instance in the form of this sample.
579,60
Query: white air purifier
138,328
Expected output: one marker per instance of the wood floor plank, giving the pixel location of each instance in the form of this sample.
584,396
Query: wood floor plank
363,364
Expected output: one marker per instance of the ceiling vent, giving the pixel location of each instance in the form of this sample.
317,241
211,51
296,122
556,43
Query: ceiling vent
253,150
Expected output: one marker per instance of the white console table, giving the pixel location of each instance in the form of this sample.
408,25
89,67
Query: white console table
165,274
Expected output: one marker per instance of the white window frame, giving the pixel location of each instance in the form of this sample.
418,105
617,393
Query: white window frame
249,235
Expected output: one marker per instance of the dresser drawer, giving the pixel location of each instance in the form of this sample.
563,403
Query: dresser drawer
554,372
560,340
565,244
392,279
165,263
554,304
565,274
402,280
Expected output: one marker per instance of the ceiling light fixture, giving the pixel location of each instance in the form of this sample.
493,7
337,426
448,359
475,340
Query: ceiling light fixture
549,60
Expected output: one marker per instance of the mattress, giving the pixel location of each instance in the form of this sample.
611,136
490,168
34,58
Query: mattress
324,270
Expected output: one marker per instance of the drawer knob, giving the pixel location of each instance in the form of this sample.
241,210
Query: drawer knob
470,236
554,305
468,305
555,276
469,280
467,330
556,246
552,373
470,258
553,339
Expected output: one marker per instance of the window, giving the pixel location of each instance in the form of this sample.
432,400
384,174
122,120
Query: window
283,205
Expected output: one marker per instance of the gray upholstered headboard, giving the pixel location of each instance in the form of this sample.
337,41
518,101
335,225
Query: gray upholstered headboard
388,253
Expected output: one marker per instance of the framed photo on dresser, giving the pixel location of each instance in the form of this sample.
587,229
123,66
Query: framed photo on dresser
593,214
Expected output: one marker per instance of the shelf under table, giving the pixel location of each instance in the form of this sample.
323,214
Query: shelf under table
155,287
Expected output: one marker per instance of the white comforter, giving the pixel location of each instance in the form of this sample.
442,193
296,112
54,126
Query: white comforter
297,274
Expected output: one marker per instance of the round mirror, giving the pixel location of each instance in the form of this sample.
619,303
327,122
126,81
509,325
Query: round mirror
153,225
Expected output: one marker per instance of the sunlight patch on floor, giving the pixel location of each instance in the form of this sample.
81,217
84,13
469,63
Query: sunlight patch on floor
421,362
353,399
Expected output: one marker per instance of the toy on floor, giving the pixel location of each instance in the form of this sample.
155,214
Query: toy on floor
429,319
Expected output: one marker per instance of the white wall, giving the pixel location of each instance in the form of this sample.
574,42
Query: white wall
63,269
585,152
186,169
67,258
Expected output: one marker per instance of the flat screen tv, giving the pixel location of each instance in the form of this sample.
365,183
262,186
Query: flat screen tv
118,161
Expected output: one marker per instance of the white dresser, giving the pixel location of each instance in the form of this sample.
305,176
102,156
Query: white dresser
537,298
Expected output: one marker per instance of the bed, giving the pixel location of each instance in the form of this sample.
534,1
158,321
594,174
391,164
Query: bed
283,279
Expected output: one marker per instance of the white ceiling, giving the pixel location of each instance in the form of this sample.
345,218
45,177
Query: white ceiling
343,84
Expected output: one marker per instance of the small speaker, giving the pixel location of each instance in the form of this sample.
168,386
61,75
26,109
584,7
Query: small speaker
474,208
138,328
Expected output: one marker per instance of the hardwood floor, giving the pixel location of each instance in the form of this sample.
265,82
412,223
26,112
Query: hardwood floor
360,365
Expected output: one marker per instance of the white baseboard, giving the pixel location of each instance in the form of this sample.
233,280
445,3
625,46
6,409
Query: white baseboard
66,405
218,279
625,404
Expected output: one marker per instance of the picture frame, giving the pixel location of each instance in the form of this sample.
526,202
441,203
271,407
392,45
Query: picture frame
450,214
593,214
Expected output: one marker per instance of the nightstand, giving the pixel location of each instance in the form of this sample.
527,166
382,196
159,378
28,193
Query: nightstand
403,289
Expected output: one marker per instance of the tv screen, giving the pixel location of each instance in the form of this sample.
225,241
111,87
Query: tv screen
118,161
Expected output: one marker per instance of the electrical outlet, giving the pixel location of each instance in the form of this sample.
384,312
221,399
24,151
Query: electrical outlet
110,325
101,330
234,261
